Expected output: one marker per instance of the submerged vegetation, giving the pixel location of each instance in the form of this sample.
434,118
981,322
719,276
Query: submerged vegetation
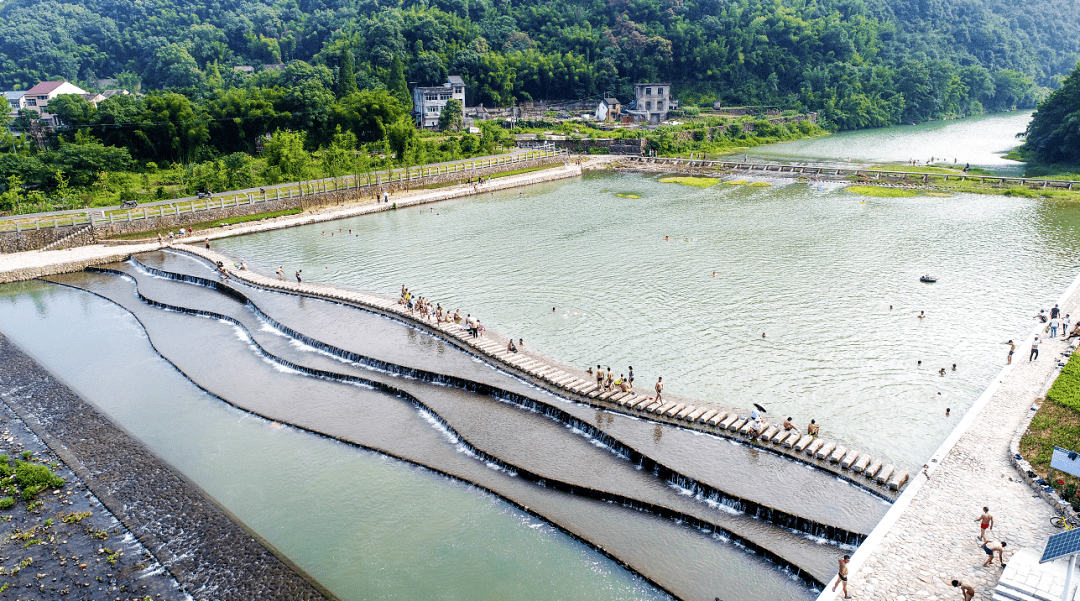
881,191
696,182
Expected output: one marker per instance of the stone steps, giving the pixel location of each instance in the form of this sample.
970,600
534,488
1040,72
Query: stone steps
830,455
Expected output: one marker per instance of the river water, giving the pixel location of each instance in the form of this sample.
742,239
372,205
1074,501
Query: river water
980,141
813,267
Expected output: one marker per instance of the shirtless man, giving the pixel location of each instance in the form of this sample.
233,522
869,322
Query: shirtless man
281,273
599,378
659,387
1012,349
813,428
966,589
986,522
842,574
789,425
992,547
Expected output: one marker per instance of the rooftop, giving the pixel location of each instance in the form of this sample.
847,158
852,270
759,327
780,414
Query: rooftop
45,87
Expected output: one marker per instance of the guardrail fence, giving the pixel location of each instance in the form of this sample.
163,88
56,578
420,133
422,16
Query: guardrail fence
300,189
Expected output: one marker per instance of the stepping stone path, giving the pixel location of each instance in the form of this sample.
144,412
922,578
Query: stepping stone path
713,421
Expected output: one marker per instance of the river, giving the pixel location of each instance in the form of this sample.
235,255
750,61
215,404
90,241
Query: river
829,277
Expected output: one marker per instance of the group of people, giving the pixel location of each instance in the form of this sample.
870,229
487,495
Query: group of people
427,310
606,380
1054,323
989,546
759,425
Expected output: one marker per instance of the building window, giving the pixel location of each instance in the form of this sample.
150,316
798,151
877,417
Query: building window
660,105
31,102
648,106
660,91
648,91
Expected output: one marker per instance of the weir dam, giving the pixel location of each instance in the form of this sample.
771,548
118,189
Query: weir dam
668,502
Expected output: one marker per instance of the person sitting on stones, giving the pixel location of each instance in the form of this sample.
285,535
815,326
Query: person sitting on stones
789,425
813,428
510,348
623,383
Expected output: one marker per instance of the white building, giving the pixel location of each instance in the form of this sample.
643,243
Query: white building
38,97
428,103
652,102
608,108
16,100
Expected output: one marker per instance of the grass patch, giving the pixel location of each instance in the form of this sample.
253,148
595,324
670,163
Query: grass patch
525,170
487,177
881,192
626,195
760,185
1056,423
205,225
938,194
696,182
735,182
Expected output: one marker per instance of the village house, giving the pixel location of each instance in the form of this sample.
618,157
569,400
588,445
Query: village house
652,101
608,109
38,97
428,102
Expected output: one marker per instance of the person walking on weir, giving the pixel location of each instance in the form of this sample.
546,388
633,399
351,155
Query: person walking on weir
1034,350
842,574
1012,349
659,388
986,522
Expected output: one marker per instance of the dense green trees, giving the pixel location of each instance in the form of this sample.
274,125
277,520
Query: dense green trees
1053,136
860,62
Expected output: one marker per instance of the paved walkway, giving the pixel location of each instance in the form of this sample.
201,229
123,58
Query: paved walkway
930,537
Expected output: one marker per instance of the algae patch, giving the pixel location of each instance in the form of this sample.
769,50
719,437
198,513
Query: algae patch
696,182
881,192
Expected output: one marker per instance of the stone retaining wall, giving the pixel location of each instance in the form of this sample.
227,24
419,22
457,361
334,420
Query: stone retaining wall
30,273
209,554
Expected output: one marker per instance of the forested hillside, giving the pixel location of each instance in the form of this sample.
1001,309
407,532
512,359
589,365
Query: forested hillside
861,63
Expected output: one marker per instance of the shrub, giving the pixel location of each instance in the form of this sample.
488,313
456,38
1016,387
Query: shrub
1066,388
6,502
35,478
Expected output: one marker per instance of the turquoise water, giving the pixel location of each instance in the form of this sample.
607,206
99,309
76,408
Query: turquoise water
980,141
815,268
364,525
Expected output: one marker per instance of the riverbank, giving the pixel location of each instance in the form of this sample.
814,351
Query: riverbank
208,554
27,265
929,537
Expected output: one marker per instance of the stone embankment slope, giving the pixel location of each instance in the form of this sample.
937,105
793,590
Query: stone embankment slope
858,467
211,556
929,537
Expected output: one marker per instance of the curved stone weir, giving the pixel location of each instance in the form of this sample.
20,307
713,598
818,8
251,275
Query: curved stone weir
551,455
686,563
814,502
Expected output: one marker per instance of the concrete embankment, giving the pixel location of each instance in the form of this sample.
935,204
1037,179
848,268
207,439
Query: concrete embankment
209,554
929,537
27,265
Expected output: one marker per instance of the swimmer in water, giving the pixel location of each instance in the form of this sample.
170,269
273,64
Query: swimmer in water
714,274
666,238
922,314
947,410
941,371
890,307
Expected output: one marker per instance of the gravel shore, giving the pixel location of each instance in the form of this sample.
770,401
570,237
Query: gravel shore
202,551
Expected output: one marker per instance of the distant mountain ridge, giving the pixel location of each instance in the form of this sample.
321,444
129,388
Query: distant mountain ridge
859,63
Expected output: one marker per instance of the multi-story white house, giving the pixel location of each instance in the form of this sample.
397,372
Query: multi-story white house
38,97
652,102
428,102
16,100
